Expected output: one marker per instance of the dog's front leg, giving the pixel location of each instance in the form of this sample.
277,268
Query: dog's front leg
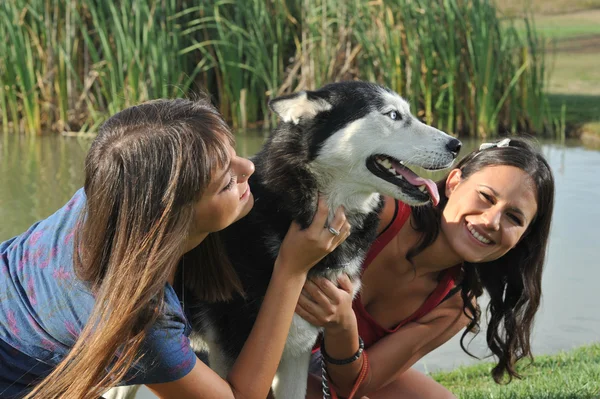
125,392
292,375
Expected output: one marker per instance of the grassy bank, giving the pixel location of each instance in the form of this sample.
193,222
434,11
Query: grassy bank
572,32
567,375
65,66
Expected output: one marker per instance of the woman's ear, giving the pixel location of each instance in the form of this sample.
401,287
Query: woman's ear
454,177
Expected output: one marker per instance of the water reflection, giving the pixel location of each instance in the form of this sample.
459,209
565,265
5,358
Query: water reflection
38,176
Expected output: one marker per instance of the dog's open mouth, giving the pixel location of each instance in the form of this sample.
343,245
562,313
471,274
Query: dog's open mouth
395,172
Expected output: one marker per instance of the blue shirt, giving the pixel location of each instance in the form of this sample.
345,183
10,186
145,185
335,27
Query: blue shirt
44,307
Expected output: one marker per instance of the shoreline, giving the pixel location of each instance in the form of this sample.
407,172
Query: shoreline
567,374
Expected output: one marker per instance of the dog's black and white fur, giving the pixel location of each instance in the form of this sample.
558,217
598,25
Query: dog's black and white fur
348,141
345,141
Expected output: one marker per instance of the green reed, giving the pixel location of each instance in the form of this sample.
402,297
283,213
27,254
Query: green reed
66,65
134,52
20,60
243,44
460,69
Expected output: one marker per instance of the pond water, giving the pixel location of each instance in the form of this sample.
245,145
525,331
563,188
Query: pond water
39,176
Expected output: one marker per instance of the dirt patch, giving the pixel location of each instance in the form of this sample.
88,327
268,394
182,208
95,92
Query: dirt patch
590,140
582,14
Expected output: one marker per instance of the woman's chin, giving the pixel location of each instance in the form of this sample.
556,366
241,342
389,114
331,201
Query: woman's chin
478,258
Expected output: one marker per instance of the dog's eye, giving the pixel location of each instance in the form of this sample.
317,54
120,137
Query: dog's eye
395,116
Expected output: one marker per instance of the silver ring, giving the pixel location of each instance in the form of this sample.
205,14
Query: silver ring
333,231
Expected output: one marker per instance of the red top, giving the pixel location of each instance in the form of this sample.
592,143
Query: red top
369,329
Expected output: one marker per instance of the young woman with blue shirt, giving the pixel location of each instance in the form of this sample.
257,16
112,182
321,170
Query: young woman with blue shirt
87,300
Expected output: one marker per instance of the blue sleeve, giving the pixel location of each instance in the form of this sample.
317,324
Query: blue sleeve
166,354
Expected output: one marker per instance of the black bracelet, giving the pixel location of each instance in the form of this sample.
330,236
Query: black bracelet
341,362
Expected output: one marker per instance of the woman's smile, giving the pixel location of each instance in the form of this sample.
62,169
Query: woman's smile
478,235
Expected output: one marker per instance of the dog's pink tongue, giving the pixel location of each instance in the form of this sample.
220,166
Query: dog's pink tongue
417,181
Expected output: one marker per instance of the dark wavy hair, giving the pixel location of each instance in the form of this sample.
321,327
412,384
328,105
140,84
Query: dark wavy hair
514,281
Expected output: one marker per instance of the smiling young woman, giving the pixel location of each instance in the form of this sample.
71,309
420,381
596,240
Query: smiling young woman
488,233
227,199
488,213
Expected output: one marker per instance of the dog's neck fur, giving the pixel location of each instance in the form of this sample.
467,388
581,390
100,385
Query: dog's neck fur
357,203
338,192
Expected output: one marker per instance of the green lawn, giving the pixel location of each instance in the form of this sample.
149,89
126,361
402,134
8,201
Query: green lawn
575,82
572,31
575,73
513,8
566,26
581,108
574,374
573,51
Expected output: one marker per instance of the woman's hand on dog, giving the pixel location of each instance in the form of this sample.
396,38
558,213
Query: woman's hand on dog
325,305
302,249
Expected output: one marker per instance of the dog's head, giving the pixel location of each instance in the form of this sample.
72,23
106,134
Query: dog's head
360,138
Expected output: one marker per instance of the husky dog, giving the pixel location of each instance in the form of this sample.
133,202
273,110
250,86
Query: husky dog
349,141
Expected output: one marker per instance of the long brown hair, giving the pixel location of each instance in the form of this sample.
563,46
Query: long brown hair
514,281
144,172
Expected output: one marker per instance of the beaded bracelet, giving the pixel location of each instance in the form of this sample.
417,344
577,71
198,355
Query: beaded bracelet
341,362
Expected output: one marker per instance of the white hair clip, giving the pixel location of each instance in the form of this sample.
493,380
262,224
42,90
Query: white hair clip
501,143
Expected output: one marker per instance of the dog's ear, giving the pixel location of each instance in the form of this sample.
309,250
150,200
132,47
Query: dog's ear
297,106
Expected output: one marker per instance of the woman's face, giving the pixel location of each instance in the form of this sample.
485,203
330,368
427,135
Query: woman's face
227,198
488,213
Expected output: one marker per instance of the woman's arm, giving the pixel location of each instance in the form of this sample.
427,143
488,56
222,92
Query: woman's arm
325,305
390,356
397,352
252,373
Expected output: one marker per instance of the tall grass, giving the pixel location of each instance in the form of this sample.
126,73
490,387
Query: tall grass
66,65
133,51
20,49
460,69
244,44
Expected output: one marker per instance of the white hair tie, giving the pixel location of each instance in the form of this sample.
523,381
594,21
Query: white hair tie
499,144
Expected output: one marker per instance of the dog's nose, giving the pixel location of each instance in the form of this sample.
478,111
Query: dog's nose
454,146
